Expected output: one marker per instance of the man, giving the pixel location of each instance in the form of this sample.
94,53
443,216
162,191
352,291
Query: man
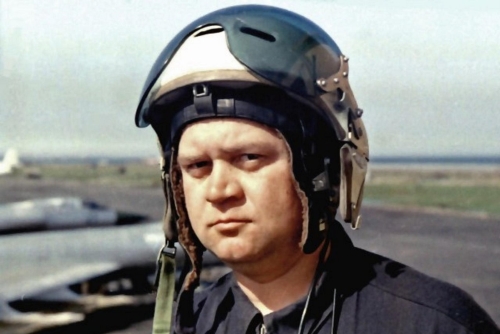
262,141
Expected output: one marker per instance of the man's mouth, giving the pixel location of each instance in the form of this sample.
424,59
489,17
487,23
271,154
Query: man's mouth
230,223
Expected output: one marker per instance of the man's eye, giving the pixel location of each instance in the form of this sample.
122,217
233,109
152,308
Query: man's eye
251,156
197,165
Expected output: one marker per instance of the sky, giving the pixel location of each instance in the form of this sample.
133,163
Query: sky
426,73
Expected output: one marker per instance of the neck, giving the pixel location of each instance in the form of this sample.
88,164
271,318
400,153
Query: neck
272,287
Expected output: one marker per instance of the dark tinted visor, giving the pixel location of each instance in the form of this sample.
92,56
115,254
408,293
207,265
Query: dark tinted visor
280,46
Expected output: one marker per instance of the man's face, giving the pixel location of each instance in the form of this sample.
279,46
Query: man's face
240,191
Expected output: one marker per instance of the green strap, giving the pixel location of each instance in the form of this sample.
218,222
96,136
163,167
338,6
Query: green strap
162,320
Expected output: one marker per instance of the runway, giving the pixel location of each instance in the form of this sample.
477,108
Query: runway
463,249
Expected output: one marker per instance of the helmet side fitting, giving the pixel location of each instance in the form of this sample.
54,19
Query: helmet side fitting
243,46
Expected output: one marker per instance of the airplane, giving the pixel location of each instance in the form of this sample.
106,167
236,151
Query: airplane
59,213
10,162
87,268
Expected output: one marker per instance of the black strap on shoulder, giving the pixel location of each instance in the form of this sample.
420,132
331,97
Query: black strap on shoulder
162,320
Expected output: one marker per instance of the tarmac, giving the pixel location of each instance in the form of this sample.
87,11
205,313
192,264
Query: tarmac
460,248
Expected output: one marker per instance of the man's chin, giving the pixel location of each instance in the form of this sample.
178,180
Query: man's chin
235,258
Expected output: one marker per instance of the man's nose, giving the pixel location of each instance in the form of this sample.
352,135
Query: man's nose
223,183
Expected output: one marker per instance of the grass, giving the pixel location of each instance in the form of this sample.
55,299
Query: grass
462,190
465,198
129,175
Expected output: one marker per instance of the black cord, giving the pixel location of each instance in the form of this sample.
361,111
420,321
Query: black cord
319,271
306,306
334,311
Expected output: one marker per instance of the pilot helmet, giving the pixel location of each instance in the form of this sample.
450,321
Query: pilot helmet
274,67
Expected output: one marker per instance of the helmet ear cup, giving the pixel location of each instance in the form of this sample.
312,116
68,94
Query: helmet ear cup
317,171
323,204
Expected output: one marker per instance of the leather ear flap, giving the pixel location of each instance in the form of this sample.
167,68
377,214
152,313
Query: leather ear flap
169,216
169,219
353,170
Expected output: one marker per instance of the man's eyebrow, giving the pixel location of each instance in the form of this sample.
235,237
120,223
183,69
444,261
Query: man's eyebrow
188,158
248,147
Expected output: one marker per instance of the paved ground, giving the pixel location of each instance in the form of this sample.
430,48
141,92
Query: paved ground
461,249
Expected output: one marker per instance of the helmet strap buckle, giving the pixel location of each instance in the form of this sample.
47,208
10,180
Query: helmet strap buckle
202,99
